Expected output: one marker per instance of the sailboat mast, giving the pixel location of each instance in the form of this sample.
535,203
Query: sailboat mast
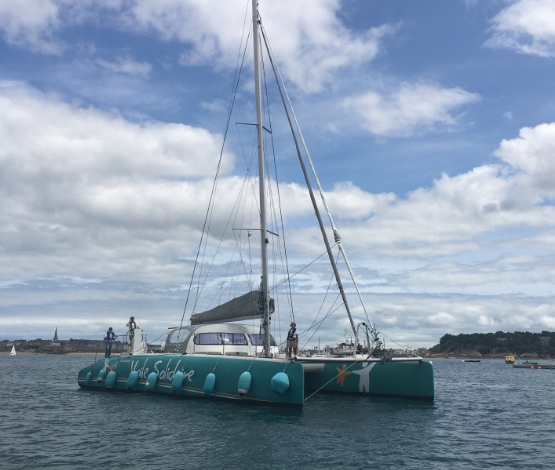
261,178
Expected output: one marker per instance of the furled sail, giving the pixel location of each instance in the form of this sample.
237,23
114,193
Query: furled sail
245,307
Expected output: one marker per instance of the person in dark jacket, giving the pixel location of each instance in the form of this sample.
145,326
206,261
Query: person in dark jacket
109,339
292,339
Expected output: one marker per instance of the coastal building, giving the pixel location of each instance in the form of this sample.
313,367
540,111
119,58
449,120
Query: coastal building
57,346
55,341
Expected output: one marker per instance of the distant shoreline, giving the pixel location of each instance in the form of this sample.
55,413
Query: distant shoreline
501,358
520,344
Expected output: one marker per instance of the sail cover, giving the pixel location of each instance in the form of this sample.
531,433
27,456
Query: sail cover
245,307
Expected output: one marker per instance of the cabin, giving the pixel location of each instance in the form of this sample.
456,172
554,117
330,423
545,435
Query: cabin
230,339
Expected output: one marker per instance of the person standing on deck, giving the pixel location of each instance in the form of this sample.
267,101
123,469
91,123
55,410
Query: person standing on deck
131,325
292,340
109,339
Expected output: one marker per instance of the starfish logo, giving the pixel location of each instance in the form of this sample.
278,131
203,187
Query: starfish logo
342,373
109,367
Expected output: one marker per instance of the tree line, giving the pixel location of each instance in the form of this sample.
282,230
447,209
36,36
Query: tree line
519,343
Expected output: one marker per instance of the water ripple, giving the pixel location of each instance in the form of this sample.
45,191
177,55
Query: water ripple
486,415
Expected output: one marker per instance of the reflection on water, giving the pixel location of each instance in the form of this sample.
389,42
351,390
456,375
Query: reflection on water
486,414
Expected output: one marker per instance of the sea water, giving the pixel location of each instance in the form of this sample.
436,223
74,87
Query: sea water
486,415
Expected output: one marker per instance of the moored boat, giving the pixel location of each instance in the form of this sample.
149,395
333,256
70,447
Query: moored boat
218,360
215,357
250,379
509,359
533,365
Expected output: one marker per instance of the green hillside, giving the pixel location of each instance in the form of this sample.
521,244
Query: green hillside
496,344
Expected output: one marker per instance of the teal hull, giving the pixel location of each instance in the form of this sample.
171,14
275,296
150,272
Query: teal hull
394,378
186,375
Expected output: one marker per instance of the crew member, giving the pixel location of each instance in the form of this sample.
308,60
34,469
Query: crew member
292,341
109,339
131,325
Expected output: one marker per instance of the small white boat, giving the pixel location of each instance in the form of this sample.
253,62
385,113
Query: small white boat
12,353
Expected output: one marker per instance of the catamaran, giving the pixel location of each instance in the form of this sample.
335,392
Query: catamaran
215,356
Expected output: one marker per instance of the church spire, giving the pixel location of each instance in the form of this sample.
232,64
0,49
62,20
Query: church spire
55,340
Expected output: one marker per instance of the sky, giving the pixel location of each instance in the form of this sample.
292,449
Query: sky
431,125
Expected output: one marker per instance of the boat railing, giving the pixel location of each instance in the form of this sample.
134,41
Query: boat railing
128,347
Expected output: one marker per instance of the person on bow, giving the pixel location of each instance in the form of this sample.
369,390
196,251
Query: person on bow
131,326
292,340
109,339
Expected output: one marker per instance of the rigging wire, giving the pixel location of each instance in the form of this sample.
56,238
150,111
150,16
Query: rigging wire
249,165
302,269
210,211
202,277
270,194
332,379
403,346
319,323
320,309
336,235
311,194
272,146
234,211
207,220
254,194
275,252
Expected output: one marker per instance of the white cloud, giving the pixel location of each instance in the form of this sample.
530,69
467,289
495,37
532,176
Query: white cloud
489,232
83,166
548,321
310,41
215,106
315,47
449,217
126,65
390,320
520,321
49,136
525,26
441,318
89,195
533,153
411,109
347,200
76,182
31,24
484,320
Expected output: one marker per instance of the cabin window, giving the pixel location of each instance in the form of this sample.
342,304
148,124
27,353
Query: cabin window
257,340
179,336
236,339
208,338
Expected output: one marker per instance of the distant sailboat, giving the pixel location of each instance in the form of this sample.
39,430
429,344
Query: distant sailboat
12,353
